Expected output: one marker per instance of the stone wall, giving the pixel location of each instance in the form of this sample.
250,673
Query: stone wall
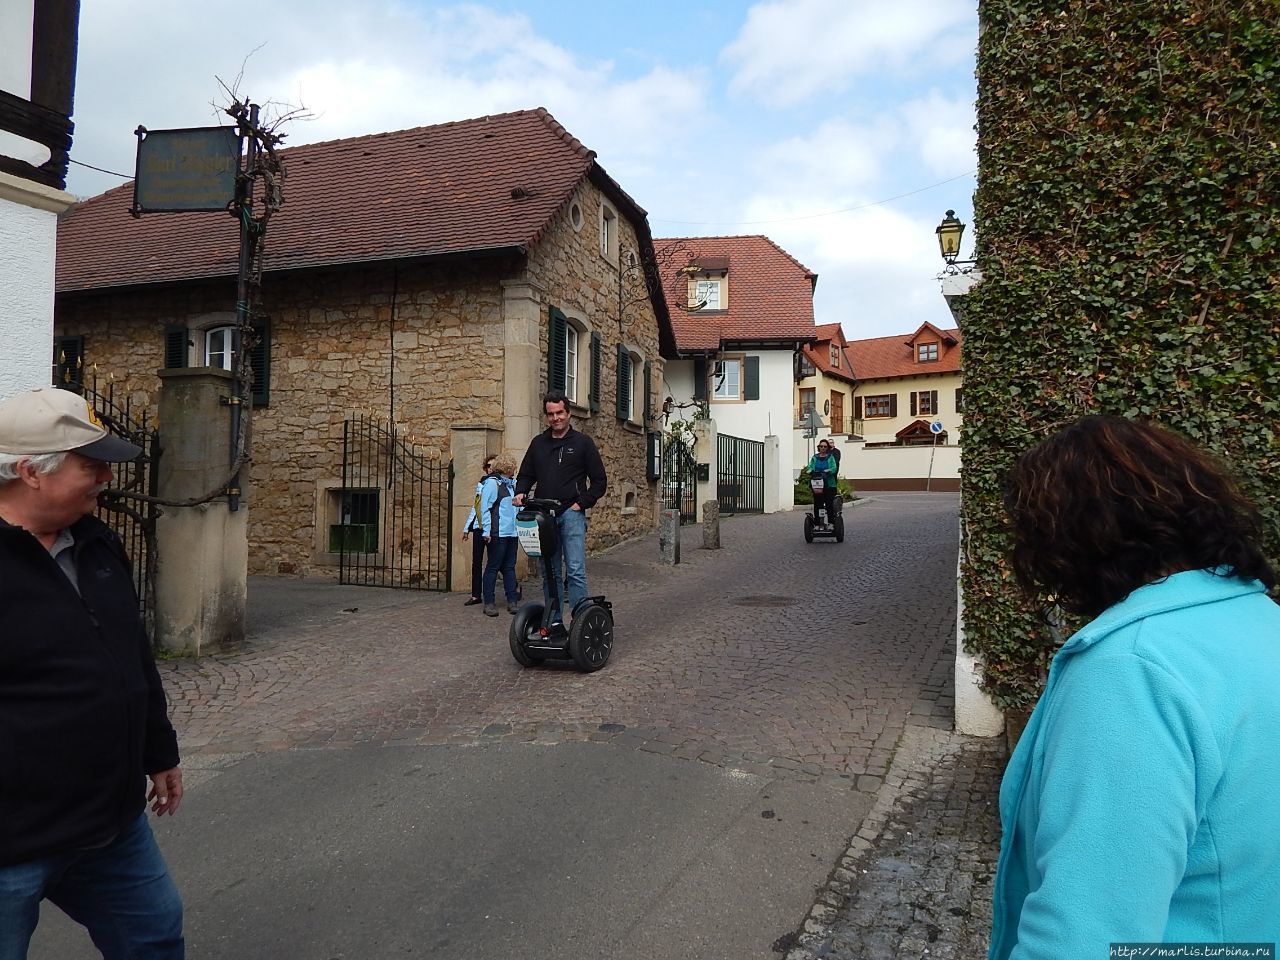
569,270
444,361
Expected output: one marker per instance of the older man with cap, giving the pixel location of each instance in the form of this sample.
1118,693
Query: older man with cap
83,722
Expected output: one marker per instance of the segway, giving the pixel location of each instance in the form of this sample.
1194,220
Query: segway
588,640
817,523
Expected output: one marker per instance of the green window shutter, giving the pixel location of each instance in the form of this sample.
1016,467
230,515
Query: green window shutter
260,362
68,362
751,378
700,378
648,393
593,398
624,382
555,351
175,347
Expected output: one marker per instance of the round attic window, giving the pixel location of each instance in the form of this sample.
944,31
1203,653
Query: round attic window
575,215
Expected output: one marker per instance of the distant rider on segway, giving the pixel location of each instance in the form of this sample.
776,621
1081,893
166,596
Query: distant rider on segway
563,464
826,464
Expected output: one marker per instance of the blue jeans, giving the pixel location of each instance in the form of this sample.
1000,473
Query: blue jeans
570,561
502,559
122,893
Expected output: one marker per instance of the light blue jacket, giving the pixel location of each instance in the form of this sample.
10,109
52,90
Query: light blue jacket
506,509
1143,801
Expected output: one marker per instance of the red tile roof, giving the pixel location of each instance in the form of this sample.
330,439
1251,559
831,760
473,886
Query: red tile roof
819,353
770,293
882,357
443,189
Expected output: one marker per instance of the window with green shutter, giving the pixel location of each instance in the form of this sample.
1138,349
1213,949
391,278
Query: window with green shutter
597,359
260,362
556,350
68,362
700,378
175,346
751,378
648,393
624,383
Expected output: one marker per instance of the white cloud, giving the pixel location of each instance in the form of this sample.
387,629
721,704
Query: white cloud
942,129
838,157
789,50
382,67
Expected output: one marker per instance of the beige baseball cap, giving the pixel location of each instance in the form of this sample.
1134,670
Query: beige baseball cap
52,420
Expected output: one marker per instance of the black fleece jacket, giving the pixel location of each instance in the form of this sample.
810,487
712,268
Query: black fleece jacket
569,469
82,712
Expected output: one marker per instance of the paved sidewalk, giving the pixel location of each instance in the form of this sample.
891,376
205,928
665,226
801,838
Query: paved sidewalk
916,879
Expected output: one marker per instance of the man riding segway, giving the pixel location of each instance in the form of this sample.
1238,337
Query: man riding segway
563,468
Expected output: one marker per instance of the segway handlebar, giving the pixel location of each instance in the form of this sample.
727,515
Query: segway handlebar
542,504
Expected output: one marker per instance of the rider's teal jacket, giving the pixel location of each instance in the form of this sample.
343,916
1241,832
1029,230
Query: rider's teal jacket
1142,802
828,464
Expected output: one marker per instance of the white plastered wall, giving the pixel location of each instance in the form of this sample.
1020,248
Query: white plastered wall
28,237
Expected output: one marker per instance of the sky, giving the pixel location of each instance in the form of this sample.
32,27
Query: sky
841,129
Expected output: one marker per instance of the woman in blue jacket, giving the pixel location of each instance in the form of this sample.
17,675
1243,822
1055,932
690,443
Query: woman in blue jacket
498,525
1140,803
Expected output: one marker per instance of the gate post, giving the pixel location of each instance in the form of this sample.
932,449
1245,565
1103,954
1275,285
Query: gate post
202,552
468,446
773,468
706,450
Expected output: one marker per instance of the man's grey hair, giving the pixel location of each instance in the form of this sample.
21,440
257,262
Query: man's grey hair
43,464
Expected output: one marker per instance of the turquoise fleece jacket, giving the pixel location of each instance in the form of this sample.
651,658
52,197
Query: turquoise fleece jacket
828,463
1143,801
506,509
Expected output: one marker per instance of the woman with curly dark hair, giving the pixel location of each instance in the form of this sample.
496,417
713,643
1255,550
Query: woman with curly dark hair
1141,802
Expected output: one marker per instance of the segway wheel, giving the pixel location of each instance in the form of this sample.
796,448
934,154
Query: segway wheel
591,638
839,528
524,629
808,528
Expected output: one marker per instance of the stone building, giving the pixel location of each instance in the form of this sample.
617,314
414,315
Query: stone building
438,278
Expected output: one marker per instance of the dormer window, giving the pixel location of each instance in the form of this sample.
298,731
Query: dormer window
927,352
706,294
835,356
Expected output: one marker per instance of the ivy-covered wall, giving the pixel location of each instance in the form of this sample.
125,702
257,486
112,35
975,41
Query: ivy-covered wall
1127,213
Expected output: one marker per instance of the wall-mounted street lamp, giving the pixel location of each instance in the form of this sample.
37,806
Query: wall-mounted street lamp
949,232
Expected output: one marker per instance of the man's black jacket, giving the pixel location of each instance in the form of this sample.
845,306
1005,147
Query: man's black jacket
561,469
82,711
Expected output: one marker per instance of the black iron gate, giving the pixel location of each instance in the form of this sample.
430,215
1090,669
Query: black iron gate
133,520
680,478
739,475
391,521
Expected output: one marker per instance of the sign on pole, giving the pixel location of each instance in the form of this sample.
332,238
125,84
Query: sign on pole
184,170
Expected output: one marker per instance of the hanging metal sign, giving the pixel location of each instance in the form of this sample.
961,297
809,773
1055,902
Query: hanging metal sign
184,170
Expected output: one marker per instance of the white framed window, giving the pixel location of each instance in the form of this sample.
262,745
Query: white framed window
707,294
608,233
571,340
219,348
927,352
727,380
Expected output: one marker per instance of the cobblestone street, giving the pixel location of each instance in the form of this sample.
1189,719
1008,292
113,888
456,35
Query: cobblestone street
807,659
783,709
